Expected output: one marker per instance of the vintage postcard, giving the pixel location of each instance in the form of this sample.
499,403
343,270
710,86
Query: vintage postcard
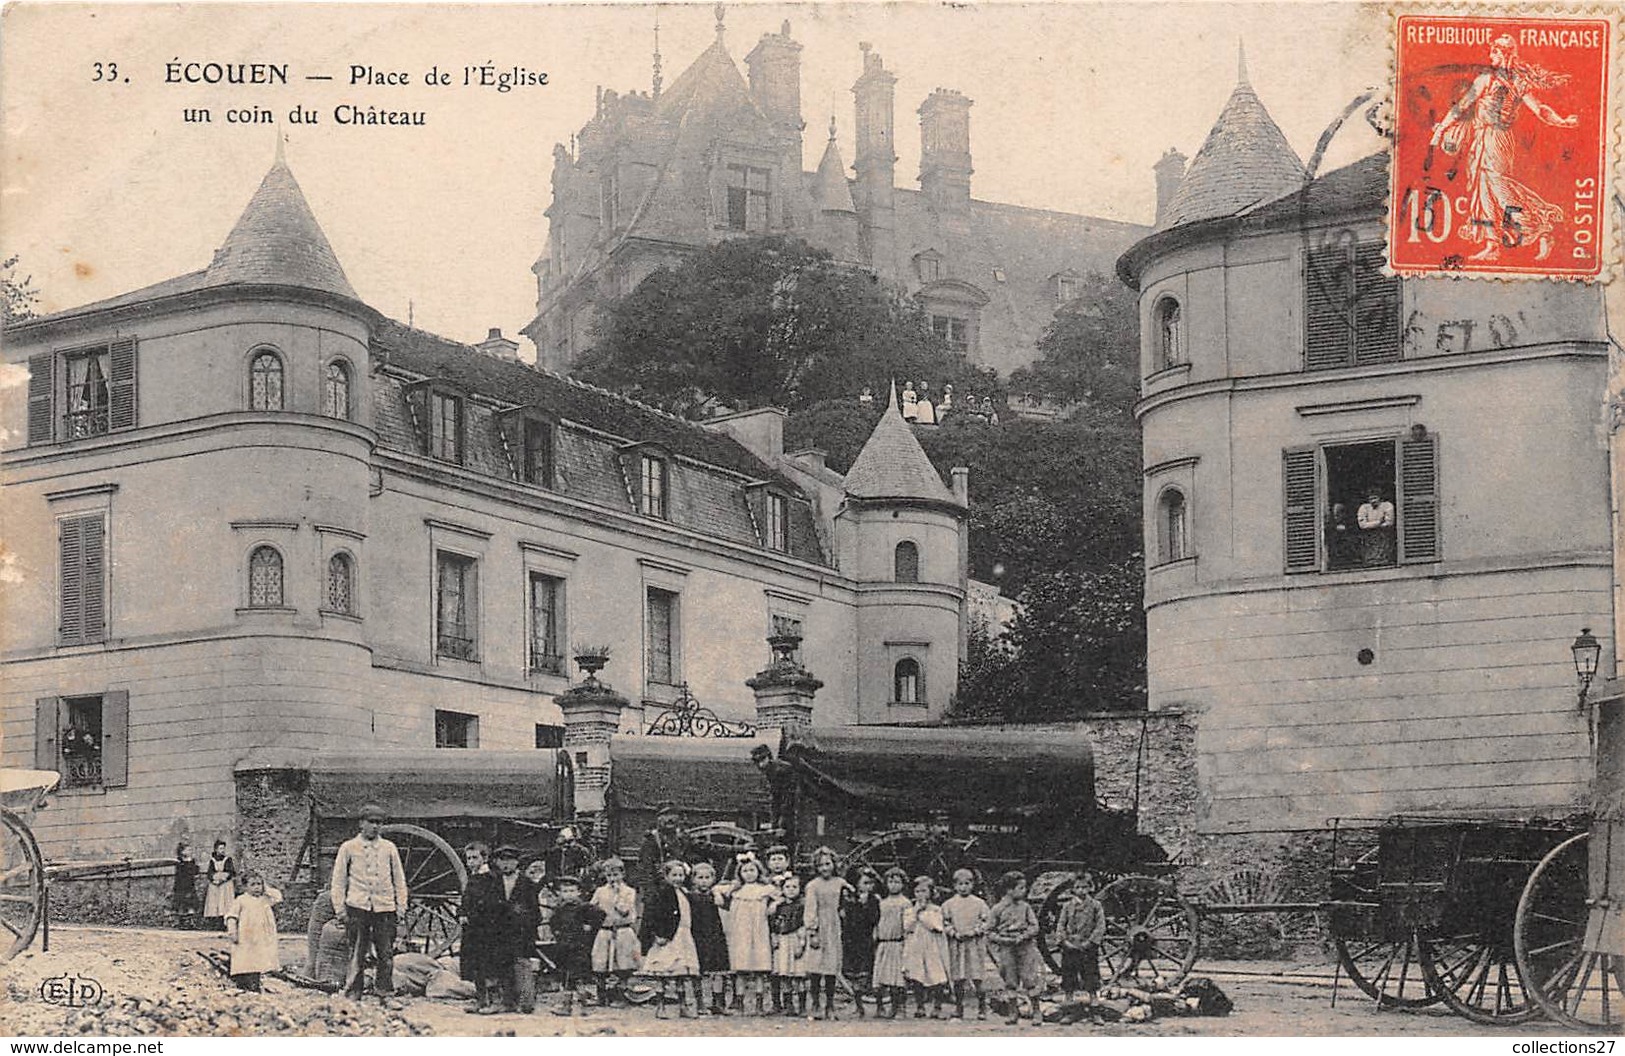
858,519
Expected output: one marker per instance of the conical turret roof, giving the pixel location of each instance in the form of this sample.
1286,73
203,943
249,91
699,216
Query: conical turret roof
831,192
1245,161
278,241
893,465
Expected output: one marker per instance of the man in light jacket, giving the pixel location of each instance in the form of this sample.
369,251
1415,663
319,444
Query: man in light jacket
369,896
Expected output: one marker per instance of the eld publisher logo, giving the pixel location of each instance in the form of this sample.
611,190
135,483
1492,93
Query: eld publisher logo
74,991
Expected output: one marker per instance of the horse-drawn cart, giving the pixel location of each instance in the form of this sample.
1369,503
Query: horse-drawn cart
22,869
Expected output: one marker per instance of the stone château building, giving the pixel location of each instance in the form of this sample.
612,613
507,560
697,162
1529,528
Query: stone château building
1377,510
250,514
655,175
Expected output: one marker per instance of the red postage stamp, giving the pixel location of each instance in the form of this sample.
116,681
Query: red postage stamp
1500,149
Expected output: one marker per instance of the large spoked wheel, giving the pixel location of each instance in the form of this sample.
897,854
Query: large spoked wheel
22,886
435,877
1387,970
1578,987
1477,977
917,854
1150,932
719,843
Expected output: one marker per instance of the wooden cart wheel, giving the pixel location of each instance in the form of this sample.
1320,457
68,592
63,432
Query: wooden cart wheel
1049,921
22,886
1578,987
719,842
918,854
1477,977
435,877
1387,970
1151,933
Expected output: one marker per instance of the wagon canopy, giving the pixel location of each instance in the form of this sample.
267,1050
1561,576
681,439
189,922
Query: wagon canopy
959,772
712,775
435,783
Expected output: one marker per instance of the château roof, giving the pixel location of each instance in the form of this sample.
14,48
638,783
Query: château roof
277,241
893,465
1244,162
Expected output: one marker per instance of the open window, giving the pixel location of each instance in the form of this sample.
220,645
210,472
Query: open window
84,738
81,392
1362,504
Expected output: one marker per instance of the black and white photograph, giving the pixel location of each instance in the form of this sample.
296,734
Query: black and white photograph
839,519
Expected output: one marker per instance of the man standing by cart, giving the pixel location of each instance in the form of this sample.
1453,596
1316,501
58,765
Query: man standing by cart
369,896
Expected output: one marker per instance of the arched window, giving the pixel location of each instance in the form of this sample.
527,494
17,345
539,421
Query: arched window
341,584
265,382
906,563
265,578
908,687
1173,545
1170,333
336,390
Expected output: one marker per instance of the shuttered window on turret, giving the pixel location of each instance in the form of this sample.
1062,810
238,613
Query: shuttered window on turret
1361,504
82,560
1351,309
81,392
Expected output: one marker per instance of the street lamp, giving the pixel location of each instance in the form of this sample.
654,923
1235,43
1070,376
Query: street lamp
1587,651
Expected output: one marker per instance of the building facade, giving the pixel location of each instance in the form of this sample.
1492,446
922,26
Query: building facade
250,513
1377,510
655,175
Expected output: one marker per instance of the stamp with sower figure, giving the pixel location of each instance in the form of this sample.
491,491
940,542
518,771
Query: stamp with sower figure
1500,158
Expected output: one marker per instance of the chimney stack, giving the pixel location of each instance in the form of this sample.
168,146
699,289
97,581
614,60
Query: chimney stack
1169,171
499,347
875,162
945,166
775,84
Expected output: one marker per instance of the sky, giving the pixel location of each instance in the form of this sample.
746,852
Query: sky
105,188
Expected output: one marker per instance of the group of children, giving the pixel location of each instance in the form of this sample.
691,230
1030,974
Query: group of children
765,937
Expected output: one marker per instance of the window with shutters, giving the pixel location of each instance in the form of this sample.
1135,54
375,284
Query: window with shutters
82,560
906,563
660,623
341,584
265,578
546,624
81,392
1351,309
336,390
1362,505
84,738
456,606
265,381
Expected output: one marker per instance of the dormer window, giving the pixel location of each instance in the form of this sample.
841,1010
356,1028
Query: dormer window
748,198
446,427
1169,334
778,522
652,479
537,466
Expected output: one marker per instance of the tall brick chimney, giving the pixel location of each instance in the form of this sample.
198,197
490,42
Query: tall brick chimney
1169,171
875,162
945,167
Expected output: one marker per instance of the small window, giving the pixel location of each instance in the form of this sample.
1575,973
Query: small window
84,739
906,563
1172,546
265,382
661,621
1170,334
454,729
457,606
82,557
748,198
446,427
955,332
652,479
908,686
929,266
778,523
538,460
265,578
88,395
341,584
336,391
549,735
546,612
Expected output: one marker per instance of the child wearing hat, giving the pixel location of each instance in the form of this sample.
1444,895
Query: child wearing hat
575,927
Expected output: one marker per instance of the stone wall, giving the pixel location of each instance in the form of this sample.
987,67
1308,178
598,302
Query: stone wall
273,823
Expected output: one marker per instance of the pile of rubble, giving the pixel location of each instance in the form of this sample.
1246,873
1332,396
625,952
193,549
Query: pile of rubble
1142,1003
234,1014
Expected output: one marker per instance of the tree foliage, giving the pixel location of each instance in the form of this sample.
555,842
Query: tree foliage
20,295
768,321
1089,355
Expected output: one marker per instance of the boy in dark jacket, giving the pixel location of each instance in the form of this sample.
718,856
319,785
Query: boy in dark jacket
575,925
514,932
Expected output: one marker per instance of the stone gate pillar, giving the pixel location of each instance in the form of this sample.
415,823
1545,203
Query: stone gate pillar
592,715
784,689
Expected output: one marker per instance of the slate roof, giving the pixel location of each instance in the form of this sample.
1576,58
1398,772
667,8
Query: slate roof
893,465
1245,161
831,193
589,465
